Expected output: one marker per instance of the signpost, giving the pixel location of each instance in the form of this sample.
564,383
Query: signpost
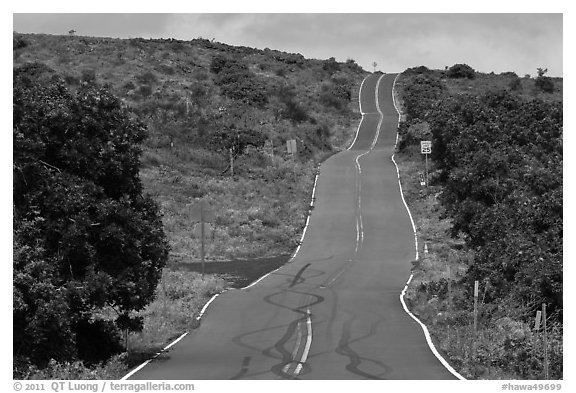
475,306
291,145
426,148
201,213
545,341
538,320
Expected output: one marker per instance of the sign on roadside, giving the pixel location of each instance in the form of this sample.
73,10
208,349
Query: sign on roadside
538,319
425,147
291,144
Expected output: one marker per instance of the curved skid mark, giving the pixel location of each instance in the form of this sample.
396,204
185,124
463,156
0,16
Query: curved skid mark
244,368
356,360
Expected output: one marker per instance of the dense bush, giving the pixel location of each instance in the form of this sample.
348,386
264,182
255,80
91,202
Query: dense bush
420,94
499,162
497,173
417,70
291,110
237,82
543,82
84,235
331,66
18,42
336,93
461,71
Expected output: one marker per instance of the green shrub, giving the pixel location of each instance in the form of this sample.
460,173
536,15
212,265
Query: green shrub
18,42
461,71
515,84
331,66
543,82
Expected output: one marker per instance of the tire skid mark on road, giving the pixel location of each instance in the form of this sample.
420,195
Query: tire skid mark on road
298,280
355,360
244,368
292,331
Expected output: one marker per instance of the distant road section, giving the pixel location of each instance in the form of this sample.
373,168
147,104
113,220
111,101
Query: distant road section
333,312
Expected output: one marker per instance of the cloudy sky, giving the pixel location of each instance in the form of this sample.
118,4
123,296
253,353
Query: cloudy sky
487,42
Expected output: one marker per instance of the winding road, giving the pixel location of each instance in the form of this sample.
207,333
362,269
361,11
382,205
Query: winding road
334,311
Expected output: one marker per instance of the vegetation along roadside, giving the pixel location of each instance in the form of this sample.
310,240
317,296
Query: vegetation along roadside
491,213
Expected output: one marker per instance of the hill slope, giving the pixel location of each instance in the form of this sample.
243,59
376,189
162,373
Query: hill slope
204,102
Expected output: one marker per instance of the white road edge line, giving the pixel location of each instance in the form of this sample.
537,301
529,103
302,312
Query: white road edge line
140,367
301,238
308,344
206,306
296,348
424,328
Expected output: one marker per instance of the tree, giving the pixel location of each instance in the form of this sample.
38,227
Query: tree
543,82
85,237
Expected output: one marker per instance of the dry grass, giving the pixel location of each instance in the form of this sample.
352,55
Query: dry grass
179,298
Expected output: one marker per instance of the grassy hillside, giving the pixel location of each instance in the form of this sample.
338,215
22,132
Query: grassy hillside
195,115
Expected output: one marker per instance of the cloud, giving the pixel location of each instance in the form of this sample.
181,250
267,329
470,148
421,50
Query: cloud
487,42
101,25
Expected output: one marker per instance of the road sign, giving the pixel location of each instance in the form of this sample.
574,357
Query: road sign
475,306
538,319
291,144
426,147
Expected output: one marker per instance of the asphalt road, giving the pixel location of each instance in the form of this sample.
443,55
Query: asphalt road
334,311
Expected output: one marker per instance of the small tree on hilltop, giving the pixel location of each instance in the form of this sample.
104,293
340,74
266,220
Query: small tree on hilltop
543,82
